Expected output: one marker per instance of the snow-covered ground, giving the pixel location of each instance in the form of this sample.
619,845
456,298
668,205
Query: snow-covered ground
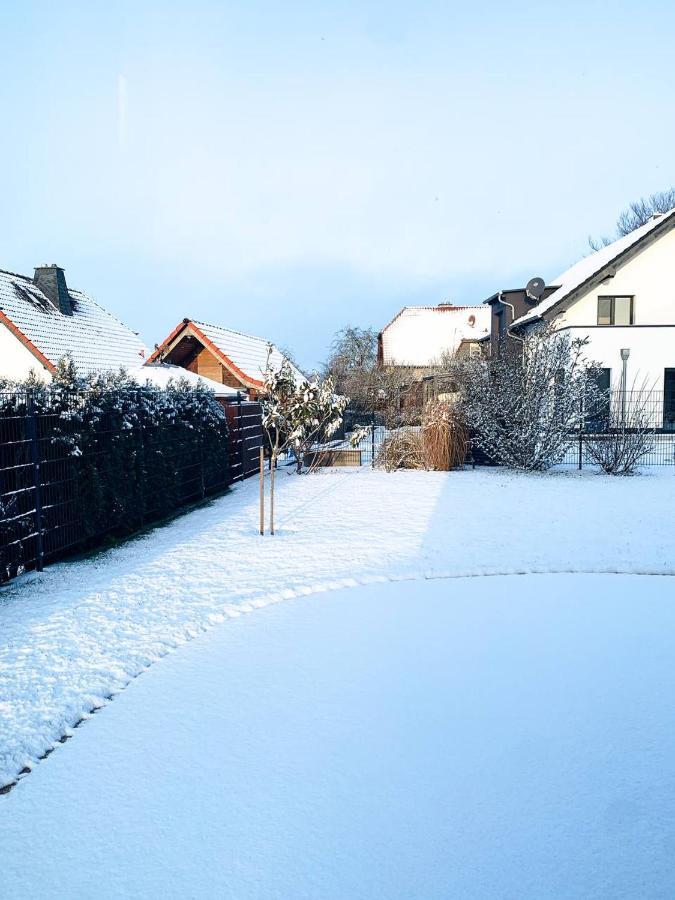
79,632
508,737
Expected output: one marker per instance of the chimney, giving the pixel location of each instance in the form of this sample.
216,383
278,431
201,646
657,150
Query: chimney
52,283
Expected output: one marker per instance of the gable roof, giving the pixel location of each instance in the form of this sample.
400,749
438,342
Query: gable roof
418,335
602,261
94,338
242,354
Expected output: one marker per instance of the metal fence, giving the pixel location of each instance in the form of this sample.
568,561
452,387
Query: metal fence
651,413
44,476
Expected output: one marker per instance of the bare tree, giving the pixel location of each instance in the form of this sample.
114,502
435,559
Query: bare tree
638,213
353,366
523,404
629,433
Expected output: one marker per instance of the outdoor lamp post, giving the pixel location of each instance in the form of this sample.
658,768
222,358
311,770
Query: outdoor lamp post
625,353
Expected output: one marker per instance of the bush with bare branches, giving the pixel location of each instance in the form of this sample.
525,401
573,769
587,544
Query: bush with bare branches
629,436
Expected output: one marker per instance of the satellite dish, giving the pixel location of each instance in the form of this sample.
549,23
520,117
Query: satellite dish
535,288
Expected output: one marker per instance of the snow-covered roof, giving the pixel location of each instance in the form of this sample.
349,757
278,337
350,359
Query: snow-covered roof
244,354
419,335
160,374
591,265
95,339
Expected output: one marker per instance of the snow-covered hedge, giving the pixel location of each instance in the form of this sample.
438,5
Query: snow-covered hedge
113,454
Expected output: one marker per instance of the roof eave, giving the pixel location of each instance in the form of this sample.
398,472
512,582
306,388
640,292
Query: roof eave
28,344
663,227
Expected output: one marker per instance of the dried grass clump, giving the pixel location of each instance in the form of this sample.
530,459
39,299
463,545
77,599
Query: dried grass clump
402,449
444,436
439,444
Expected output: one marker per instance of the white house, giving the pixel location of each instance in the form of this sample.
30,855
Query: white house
622,298
418,336
42,320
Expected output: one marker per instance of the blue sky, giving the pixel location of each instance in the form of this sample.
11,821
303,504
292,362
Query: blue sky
289,168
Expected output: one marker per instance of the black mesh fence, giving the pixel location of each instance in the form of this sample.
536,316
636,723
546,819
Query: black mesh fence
65,486
650,414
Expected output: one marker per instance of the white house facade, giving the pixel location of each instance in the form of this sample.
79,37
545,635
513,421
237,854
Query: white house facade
419,336
622,299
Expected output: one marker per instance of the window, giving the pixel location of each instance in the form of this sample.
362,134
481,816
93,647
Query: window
615,310
669,399
597,412
501,324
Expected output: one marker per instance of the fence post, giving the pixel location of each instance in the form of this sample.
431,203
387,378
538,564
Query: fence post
240,435
202,480
581,437
372,440
141,461
31,423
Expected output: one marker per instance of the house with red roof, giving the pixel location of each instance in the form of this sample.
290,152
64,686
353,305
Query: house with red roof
222,355
418,337
42,320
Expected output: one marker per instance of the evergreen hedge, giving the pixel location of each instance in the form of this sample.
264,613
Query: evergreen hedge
113,455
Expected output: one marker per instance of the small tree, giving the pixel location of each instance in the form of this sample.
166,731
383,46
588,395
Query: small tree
523,403
297,415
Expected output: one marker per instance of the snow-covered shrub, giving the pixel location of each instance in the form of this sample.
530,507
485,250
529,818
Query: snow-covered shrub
115,454
299,415
523,403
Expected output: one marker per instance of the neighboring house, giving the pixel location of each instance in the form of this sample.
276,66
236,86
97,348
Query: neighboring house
42,320
222,355
622,298
419,336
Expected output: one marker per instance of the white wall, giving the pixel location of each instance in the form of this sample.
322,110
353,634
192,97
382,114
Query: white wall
650,279
420,335
16,360
651,351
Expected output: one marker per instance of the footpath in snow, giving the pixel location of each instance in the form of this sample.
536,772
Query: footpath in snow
507,738
79,632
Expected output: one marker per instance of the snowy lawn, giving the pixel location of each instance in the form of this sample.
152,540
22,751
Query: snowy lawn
81,631
509,737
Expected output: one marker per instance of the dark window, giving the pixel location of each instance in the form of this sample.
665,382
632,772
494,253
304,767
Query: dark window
597,413
669,399
500,323
615,310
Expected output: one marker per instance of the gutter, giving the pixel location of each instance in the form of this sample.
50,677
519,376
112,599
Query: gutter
500,299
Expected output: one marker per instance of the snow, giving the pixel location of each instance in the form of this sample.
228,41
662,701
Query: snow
581,271
507,737
248,353
160,374
80,631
